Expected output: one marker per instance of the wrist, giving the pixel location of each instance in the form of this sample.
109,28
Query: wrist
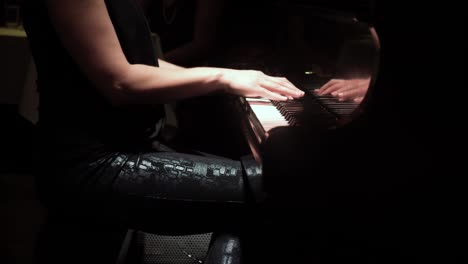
223,82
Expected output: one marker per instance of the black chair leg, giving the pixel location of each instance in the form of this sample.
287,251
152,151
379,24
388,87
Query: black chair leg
224,248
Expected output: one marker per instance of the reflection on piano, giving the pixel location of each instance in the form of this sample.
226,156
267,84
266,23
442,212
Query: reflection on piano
265,115
388,172
310,46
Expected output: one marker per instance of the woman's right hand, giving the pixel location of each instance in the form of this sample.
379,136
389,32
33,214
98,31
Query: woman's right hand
251,83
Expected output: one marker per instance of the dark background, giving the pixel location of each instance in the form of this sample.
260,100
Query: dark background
422,75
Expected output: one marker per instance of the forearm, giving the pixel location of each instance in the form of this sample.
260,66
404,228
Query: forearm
95,47
147,84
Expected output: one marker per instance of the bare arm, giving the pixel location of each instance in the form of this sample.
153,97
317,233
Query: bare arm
93,44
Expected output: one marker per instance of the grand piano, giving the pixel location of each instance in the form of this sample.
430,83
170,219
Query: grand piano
310,43
363,170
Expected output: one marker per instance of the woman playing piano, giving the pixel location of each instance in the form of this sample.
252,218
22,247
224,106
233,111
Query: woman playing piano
101,116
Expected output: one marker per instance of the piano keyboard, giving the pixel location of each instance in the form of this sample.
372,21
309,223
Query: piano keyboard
340,109
264,115
267,113
290,113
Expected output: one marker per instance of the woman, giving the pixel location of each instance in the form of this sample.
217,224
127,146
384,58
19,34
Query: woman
101,94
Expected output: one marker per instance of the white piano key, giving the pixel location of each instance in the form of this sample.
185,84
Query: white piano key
267,113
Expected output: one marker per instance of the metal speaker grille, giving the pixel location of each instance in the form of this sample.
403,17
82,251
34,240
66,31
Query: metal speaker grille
187,249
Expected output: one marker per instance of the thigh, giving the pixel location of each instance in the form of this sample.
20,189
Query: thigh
173,176
161,192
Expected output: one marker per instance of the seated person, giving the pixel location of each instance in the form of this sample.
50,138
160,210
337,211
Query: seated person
100,155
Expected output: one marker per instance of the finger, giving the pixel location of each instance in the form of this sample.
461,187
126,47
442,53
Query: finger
329,86
320,90
342,89
353,89
272,95
280,89
351,93
334,88
358,99
287,83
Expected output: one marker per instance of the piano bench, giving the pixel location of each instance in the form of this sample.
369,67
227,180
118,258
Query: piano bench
63,240
144,248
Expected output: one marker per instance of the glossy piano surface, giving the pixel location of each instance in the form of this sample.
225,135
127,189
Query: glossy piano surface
310,45
389,171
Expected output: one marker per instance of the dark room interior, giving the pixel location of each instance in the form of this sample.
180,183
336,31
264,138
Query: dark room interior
371,177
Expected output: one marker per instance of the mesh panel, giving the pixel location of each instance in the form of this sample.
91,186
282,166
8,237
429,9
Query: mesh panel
187,249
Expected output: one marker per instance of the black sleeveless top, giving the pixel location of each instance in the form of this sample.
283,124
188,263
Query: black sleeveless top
73,116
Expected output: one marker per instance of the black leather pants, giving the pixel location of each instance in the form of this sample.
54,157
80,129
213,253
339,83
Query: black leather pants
155,191
163,192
